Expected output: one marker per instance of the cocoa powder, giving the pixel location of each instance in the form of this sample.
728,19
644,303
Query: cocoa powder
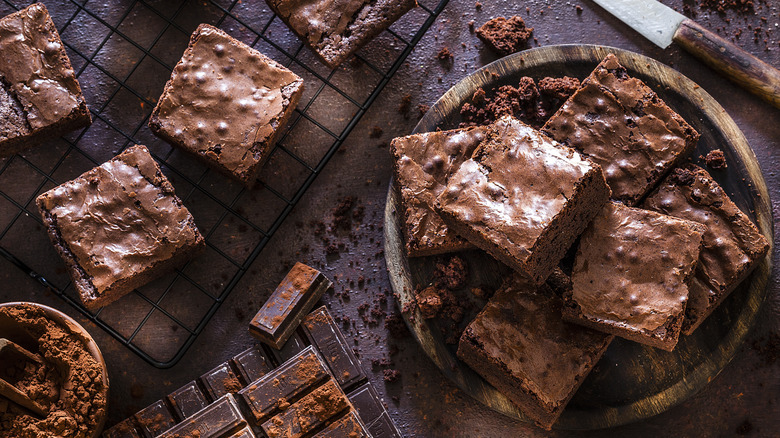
69,385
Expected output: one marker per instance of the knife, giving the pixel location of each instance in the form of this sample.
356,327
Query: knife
662,25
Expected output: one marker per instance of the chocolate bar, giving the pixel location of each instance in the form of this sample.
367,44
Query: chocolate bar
187,401
246,432
251,365
323,333
284,384
154,419
301,288
218,420
348,426
220,381
372,411
308,413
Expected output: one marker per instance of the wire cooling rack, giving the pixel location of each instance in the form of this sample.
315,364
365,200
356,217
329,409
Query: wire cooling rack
123,53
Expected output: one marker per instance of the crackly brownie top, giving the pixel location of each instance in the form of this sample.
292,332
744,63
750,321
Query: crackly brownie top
319,19
35,67
731,242
517,181
522,328
632,264
222,97
624,126
119,218
423,163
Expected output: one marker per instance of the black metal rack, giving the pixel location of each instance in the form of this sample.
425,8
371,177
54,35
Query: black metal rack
123,53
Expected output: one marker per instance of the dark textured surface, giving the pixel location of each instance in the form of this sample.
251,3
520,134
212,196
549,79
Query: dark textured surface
742,399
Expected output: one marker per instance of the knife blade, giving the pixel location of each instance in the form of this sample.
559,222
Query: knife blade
663,25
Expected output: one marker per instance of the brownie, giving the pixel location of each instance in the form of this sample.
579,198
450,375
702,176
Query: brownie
118,226
631,274
624,126
520,344
523,198
335,29
732,245
422,165
505,36
226,104
39,94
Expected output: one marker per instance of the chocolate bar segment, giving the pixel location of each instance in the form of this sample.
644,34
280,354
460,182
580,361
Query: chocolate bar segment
383,427
246,432
284,384
372,411
323,333
294,345
251,365
187,401
348,426
154,419
291,301
219,420
125,429
220,381
308,413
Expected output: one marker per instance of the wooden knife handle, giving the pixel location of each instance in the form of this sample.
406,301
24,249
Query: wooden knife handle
738,65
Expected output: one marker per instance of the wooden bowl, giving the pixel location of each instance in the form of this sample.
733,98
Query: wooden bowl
11,330
632,381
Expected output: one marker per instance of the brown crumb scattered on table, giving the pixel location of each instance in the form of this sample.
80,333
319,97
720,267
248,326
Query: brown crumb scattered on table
423,108
721,6
391,375
405,105
452,274
376,132
444,55
505,36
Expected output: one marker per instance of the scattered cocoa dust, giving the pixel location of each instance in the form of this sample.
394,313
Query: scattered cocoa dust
69,385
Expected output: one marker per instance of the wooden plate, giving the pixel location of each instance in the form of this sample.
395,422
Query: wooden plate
631,381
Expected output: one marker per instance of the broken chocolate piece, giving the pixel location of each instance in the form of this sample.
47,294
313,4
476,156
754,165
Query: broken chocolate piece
291,301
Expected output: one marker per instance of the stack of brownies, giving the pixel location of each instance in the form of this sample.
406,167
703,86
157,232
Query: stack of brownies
659,244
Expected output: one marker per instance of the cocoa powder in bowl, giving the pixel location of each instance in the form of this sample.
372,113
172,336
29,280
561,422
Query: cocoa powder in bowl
71,385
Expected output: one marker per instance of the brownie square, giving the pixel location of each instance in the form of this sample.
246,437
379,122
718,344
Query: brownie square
39,94
337,29
622,124
631,273
732,245
523,198
422,165
522,346
226,104
118,226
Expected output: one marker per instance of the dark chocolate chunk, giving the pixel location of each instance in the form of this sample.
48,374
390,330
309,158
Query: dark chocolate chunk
284,384
347,426
367,403
384,427
218,420
251,365
245,432
308,413
294,345
125,429
325,335
154,419
301,288
220,381
187,400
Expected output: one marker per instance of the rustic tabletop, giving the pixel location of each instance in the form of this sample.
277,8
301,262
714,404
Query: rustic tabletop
742,400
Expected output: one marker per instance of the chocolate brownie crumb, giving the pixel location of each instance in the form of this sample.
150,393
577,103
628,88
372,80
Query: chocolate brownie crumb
505,36
391,375
471,26
376,132
578,8
722,6
716,159
528,102
423,108
451,275
444,55
482,292
396,326
428,301
405,105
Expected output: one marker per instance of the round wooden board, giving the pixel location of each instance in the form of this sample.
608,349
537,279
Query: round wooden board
631,381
